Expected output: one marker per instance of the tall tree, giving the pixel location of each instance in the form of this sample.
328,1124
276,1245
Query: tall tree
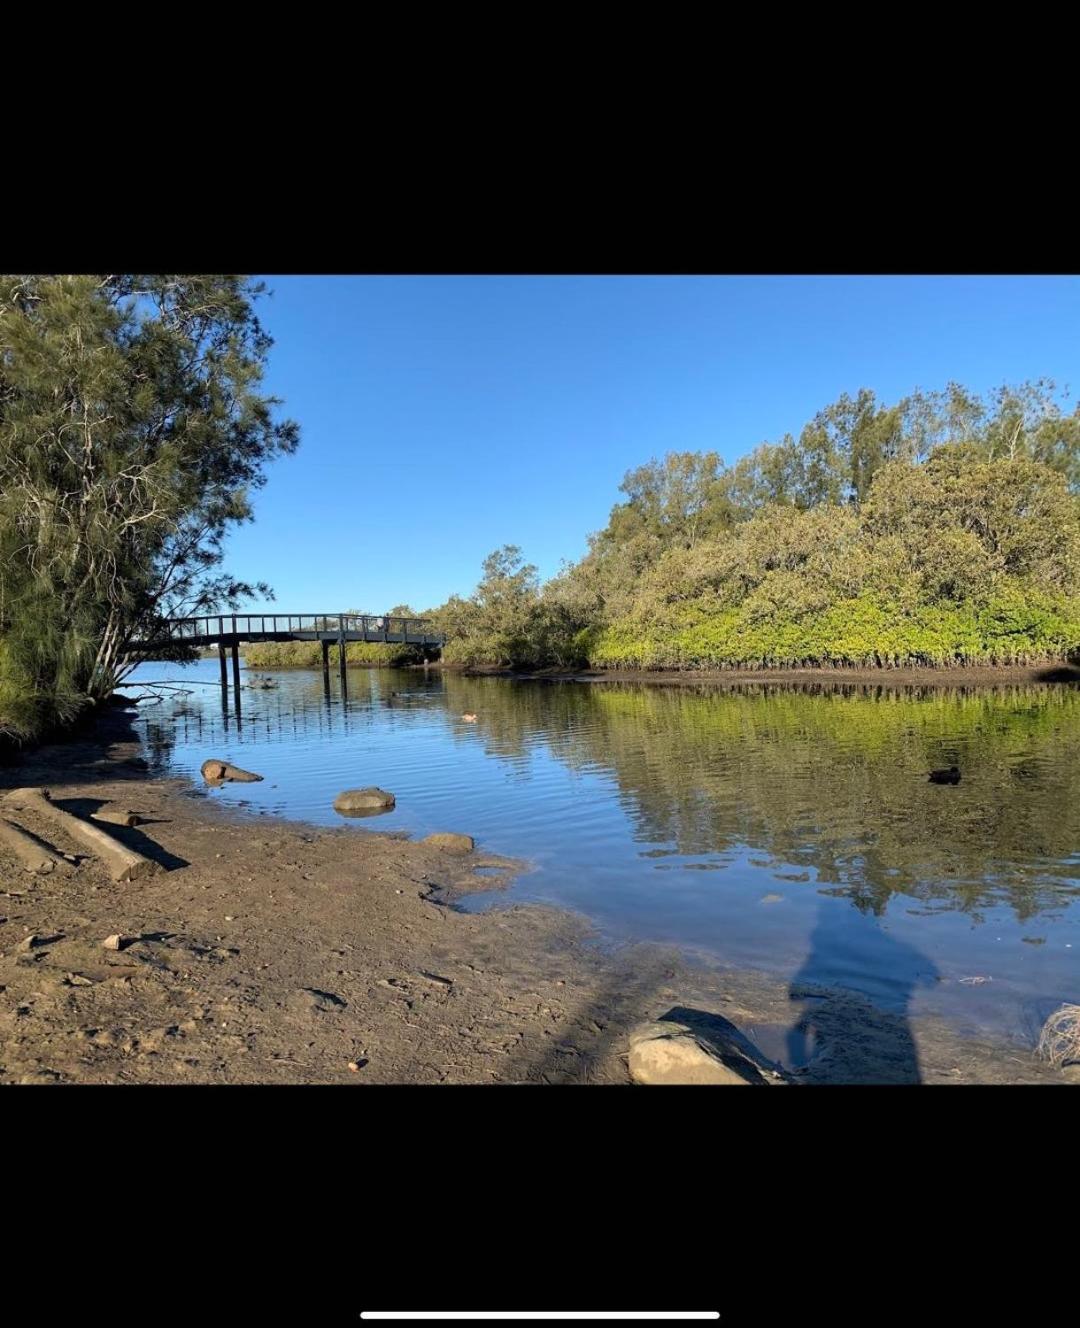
132,432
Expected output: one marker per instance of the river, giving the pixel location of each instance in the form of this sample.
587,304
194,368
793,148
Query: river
781,828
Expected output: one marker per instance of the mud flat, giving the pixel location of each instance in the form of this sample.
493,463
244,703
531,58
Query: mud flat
268,951
904,676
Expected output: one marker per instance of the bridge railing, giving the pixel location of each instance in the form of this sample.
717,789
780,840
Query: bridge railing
371,626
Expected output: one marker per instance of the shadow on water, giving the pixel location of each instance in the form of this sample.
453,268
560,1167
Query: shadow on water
841,1036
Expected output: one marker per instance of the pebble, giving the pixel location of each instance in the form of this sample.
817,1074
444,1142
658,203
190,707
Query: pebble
114,942
27,943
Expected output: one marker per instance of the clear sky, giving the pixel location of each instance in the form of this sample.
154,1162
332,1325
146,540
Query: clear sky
442,417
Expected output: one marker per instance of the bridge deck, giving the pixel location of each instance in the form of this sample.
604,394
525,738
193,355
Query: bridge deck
230,629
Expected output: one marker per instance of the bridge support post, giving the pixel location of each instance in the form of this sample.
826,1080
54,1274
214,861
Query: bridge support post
325,666
224,670
341,665
236,673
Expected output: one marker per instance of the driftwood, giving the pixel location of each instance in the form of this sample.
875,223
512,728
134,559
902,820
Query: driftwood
124,864
34,856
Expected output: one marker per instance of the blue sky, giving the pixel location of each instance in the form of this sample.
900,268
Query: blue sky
444,416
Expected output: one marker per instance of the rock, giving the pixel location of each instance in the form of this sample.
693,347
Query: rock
363,800
215,770
40,1077
115,942
668,1053
450,842
116,816
27,943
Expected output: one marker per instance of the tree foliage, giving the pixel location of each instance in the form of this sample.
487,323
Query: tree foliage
943,529
132,433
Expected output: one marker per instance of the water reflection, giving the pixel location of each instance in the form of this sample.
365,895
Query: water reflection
786,828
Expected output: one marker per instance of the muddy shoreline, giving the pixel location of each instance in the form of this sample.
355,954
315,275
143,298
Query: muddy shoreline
965,676
271,951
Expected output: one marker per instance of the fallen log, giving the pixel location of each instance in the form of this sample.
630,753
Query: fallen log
124,864
33,855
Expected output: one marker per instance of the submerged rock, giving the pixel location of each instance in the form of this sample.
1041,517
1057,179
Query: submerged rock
363,800
668,1053
450,843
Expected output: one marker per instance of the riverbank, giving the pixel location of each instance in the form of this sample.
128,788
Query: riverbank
960,676
276,952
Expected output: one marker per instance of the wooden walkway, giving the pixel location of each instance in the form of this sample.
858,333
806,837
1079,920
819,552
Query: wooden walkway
229,630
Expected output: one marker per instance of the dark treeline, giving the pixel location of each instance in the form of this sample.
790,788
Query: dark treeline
941,530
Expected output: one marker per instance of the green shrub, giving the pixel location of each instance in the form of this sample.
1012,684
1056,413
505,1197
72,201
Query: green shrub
308,654
1013,627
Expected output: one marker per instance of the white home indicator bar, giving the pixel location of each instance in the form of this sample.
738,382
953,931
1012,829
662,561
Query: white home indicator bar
540,1314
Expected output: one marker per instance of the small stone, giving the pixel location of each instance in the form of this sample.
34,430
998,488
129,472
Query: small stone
115,942
27,943
116,816
357,1065
77,980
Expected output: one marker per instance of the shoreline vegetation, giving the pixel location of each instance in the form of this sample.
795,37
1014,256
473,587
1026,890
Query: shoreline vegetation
941,532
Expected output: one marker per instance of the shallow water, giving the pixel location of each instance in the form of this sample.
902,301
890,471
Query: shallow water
774,827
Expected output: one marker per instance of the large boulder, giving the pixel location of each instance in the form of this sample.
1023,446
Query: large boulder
215,771
451,843
358,802
669,1053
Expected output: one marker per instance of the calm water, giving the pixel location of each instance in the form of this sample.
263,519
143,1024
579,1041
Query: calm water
791,830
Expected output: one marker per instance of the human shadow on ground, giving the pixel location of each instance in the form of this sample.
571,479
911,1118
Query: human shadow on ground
841,1035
